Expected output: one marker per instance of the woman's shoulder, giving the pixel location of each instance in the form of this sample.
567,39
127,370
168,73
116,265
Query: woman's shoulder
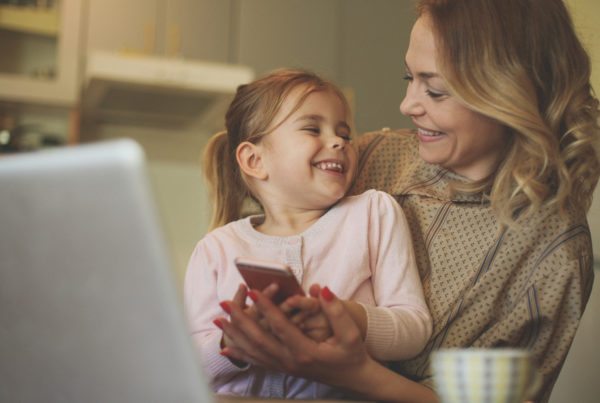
389,160
553,244
372,141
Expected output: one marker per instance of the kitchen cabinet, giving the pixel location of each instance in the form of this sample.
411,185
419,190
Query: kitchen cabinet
40,60
190,29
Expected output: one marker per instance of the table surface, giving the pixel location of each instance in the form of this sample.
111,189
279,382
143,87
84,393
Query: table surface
245,399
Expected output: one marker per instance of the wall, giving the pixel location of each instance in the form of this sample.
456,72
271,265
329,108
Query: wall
578,379
585,16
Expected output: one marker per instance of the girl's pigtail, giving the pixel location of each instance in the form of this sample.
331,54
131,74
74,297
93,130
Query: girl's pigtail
226,188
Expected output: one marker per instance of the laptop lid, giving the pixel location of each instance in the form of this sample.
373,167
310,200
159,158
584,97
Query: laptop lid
88,306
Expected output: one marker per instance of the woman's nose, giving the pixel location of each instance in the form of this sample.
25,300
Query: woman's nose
411,105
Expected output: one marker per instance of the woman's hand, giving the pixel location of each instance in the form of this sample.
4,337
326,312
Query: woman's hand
285,348
341,360
250,311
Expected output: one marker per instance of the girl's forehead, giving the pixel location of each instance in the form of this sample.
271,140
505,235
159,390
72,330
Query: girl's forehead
296,99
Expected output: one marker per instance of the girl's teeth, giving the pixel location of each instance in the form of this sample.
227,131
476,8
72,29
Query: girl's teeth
330,166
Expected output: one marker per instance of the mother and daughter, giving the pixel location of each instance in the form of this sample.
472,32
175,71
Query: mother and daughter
483,242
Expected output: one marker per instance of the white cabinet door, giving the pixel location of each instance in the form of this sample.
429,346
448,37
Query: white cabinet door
118,25
192,29
41,54
198,29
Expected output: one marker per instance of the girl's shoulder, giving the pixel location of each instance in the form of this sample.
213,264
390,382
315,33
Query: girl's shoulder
372,200
228,231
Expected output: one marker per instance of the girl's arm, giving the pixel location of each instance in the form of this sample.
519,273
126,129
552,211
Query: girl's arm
341,360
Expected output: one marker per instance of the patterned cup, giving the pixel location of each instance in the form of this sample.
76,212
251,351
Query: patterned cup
484,375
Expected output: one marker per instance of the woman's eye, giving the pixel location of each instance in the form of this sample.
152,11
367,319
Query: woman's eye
312,129
346,137
434,94
407,77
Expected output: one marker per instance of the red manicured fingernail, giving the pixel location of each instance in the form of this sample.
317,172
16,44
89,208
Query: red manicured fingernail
327,294
225,306
218,324
253,295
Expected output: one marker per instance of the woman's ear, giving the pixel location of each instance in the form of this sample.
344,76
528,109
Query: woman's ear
249,159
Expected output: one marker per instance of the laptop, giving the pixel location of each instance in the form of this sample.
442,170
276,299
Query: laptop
89,310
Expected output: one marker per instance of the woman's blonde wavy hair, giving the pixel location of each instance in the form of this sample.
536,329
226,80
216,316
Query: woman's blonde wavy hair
521,63
250,117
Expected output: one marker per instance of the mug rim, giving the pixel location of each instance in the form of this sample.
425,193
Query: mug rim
474,351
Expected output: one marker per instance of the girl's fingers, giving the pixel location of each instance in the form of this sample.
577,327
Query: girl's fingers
318,335
270,290
343,326
314,290
281,328
308,304
316,322
298,308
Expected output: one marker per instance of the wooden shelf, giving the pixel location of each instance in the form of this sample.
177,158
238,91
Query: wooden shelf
30,20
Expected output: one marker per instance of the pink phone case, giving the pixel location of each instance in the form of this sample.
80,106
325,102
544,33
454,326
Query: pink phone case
258,274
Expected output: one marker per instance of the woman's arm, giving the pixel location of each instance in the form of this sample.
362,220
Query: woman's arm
341,360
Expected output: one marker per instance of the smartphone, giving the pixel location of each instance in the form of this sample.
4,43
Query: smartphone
258,274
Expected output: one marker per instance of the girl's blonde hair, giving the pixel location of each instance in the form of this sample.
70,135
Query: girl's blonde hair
251,116
521,63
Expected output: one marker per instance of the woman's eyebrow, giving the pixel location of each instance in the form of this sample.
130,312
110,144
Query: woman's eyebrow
426,75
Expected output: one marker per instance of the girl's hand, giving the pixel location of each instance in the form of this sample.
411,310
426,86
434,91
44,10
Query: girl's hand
306,313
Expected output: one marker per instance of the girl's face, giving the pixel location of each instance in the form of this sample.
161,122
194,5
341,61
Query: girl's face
450,134
308,158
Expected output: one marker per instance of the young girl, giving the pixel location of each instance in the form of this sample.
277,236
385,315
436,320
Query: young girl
287,145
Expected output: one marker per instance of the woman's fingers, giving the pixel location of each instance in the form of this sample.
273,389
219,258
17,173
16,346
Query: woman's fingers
248,337
295,342
240,296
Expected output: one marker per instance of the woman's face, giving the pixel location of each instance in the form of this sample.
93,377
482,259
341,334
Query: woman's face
450,134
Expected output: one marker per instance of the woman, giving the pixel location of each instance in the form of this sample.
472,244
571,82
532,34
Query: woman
495,183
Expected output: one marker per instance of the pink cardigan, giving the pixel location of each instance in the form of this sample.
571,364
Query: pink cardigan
361,249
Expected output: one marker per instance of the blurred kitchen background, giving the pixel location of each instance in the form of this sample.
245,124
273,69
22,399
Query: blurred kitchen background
163,71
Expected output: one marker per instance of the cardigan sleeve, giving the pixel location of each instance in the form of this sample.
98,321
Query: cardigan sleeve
202,308
400,325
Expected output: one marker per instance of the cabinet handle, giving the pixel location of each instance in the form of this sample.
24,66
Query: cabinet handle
174,44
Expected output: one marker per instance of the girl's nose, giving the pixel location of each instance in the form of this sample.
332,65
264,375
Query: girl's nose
338,143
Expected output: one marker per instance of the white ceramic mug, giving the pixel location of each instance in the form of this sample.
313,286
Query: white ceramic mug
484,375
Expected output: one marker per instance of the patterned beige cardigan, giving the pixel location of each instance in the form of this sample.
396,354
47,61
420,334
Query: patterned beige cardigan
524,288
